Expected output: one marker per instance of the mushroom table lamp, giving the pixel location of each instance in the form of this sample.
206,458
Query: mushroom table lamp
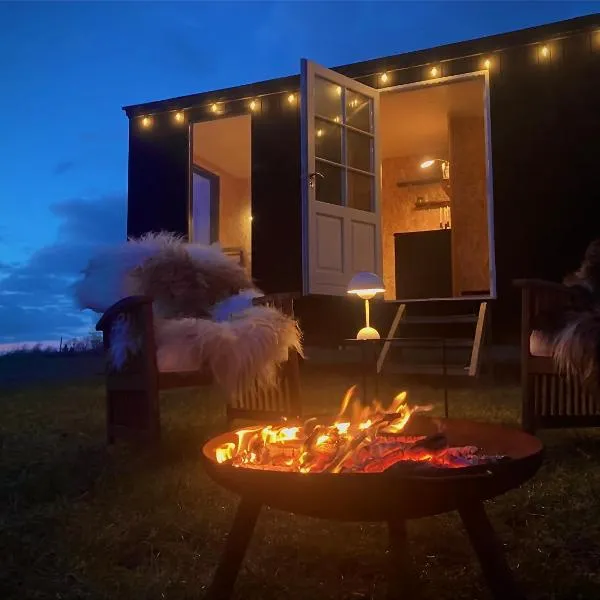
365,285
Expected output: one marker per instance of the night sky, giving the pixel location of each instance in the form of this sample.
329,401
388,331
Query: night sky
67,68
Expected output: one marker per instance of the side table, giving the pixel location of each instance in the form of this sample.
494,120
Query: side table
370,351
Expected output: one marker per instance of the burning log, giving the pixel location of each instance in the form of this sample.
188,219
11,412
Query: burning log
371,441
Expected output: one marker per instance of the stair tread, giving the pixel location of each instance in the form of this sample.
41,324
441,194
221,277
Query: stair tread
439,319
427,369
424,342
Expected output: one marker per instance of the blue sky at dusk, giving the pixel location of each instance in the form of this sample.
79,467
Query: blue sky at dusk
67,68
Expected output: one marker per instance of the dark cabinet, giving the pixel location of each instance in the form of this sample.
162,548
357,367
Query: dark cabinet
423,264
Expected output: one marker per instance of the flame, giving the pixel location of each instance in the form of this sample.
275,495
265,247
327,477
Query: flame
360,438
225,452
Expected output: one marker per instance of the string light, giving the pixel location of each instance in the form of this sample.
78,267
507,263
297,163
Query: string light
544,52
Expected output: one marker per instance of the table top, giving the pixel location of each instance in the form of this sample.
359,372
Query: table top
398,339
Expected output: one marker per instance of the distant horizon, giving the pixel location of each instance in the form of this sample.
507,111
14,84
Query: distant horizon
11,347
6,348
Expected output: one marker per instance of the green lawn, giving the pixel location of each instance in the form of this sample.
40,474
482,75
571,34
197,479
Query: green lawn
78,520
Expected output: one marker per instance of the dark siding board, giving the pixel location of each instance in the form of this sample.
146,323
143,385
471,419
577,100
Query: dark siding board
545,127
158,178
276,198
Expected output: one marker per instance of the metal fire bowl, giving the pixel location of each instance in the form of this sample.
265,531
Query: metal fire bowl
379,496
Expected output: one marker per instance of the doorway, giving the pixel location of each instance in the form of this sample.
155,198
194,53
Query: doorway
435,195
418,159
221,185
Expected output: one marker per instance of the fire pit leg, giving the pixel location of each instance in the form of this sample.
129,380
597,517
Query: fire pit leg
402,582
238,539
489,552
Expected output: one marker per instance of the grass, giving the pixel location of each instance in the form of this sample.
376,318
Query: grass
80,520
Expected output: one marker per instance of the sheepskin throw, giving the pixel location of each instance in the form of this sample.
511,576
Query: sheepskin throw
204,317
571,334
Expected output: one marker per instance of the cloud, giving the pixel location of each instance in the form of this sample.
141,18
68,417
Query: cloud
63,166
35,296
6,267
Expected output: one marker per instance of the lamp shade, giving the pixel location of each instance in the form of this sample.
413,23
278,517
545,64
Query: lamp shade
366,284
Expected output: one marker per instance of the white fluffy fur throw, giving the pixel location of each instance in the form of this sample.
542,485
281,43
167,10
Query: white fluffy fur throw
570,334
246,349
202,303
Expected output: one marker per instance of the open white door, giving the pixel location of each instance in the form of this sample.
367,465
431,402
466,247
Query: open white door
340,180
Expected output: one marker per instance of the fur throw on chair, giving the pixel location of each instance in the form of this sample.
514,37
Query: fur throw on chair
202,305
571,334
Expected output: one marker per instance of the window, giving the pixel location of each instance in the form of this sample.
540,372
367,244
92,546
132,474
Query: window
344,146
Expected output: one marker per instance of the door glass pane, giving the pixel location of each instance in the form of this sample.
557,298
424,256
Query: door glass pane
329,187
328,140
358,111
360,148
360,191
328,99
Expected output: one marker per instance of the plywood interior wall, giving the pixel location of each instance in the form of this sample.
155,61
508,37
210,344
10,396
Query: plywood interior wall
470,244
223,147
398,207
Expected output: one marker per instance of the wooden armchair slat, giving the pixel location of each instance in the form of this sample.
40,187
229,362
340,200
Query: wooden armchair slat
132,391
549,399
284,399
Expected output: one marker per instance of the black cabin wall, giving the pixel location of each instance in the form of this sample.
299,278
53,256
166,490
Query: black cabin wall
545,128
158,177
276,198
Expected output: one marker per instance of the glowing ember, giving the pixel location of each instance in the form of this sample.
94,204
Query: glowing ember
361,439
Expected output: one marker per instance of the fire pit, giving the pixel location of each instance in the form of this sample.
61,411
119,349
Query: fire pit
375,464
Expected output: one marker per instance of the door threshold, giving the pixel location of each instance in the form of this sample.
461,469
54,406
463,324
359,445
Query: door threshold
452,299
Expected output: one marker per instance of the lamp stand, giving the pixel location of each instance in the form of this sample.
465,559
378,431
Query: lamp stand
367,332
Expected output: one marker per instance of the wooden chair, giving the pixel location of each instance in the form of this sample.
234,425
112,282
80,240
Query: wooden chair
132,392
549,400
282,400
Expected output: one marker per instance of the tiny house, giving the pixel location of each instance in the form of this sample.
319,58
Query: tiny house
450,171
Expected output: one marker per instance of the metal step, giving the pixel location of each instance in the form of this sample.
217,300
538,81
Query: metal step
439,319
417,342
432,369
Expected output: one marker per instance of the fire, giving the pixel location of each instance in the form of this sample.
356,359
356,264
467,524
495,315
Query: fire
360,439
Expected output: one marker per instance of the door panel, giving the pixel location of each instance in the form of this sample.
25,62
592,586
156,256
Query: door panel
330,233
340,180
363,235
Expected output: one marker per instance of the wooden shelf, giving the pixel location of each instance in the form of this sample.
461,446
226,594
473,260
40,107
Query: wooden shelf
428,181
432,205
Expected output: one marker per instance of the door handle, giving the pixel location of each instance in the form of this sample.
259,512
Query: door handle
312,177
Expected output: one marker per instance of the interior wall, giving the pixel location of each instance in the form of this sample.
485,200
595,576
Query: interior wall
235,177
398,213
470,243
